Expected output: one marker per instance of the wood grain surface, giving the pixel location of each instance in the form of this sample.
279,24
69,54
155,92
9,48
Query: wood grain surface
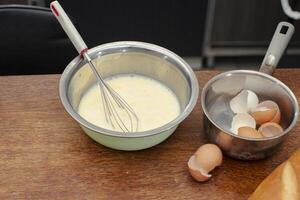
45,155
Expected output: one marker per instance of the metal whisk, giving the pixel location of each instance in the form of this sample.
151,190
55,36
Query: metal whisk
114,106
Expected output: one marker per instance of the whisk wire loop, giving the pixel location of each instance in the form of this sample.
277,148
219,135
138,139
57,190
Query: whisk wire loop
113,104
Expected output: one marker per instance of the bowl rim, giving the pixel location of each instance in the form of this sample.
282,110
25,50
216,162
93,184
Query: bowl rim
292,97
74,65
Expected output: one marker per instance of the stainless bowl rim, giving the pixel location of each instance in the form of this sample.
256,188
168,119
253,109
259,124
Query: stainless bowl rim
275,80
188,72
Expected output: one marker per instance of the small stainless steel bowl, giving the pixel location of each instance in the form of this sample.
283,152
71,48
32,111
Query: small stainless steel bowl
267,88
129,57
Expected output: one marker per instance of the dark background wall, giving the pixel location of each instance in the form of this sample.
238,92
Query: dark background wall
241,32
33,41
176,25
248,23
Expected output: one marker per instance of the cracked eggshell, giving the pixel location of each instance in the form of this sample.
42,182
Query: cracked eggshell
270,129
196,171
243,102
209,156
277,117
249,132
266,111
206,158
252,100
238,104
241,120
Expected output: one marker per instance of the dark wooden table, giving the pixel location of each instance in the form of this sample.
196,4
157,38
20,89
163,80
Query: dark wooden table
45,155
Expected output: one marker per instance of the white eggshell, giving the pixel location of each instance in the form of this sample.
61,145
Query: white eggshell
252,100
241,120
244,102
238,104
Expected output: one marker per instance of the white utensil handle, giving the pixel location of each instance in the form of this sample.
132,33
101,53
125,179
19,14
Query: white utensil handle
68,27
279,42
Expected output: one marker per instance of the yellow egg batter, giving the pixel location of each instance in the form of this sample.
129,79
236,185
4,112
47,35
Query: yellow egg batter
154,103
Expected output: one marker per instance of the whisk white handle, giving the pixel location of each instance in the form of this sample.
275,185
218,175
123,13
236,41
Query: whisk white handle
68,27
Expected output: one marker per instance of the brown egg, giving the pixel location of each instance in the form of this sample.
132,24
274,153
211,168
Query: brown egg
206,158
249,132
266,111
270,129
